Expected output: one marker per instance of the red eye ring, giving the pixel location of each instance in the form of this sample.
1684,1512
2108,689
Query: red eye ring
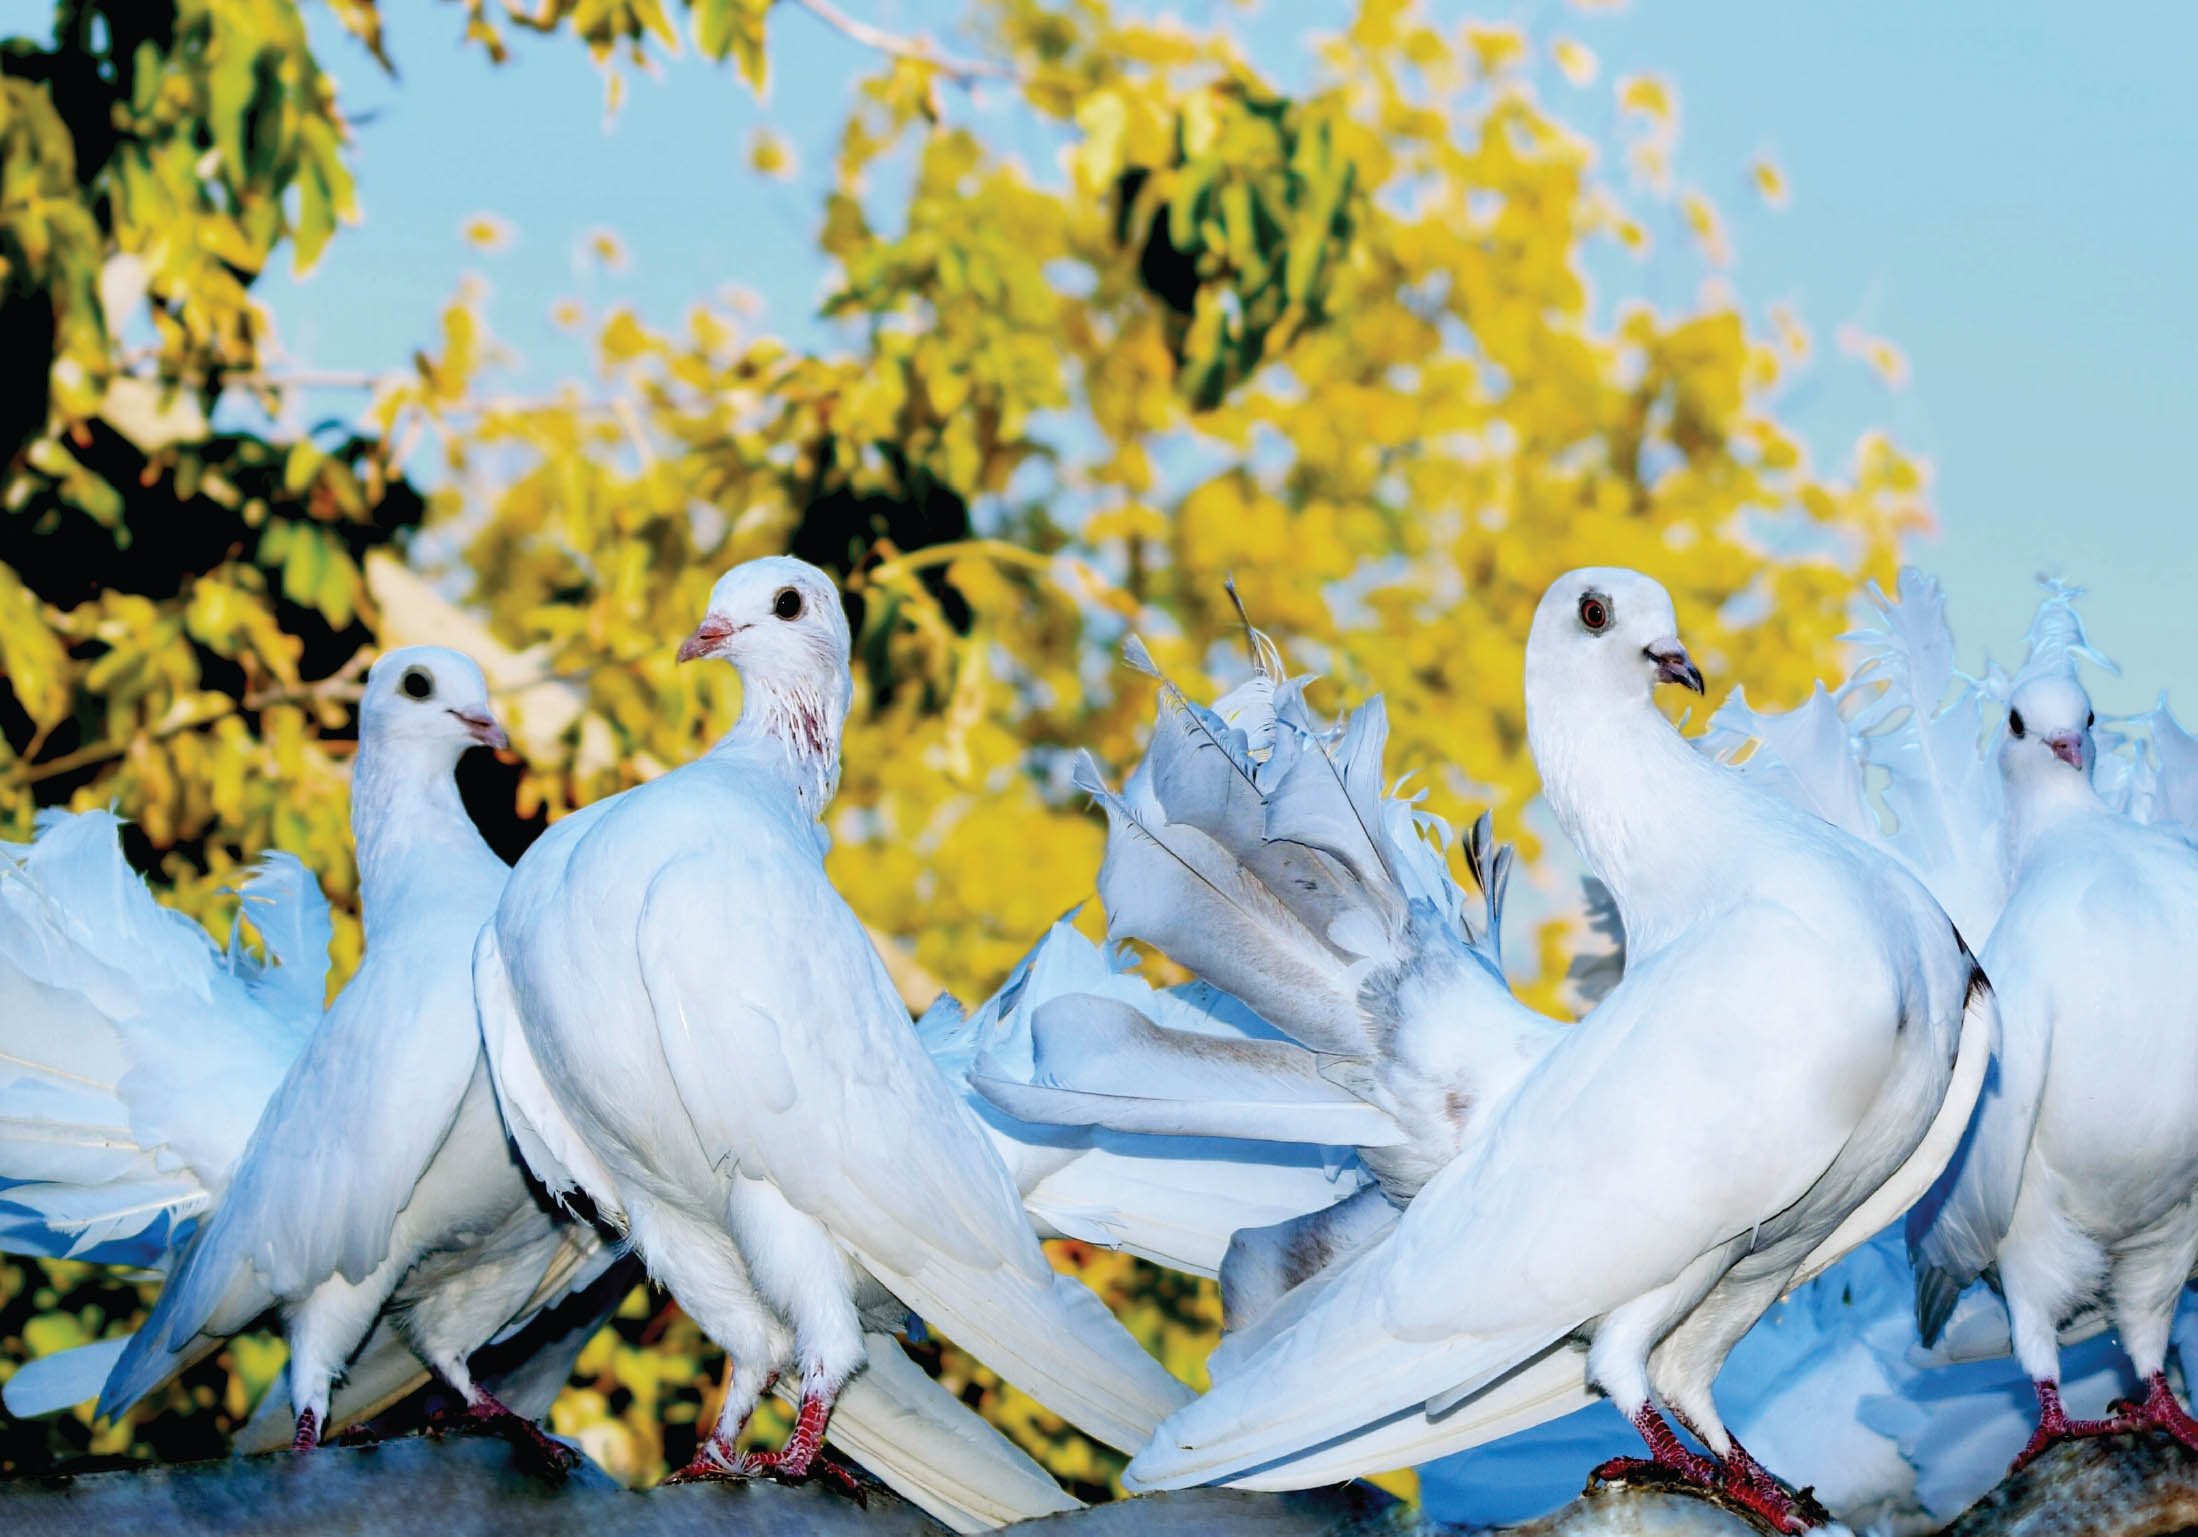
1594,612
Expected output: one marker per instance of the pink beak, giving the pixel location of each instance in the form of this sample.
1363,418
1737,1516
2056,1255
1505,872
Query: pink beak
484,730
2069,748
708,636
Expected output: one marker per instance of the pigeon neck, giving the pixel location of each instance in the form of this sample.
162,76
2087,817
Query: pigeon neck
1637,801
409,825
794,731
2040,800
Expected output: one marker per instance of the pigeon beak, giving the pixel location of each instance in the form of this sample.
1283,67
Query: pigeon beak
1673,665
483,729
2068,746
712,633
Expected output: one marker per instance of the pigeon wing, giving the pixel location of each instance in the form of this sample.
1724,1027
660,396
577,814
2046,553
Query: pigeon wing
334,1158
797,1065
1618,1164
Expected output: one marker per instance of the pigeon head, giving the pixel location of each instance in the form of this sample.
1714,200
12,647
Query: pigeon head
779,621
1606,635
427,697
2048,730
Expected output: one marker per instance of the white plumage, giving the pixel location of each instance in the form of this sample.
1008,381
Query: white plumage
689,1024
1652,1178
377,1175
1176,1200
2079,1180
134,1054
136,1045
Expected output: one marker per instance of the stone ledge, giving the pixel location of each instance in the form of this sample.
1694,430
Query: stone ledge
2117,1486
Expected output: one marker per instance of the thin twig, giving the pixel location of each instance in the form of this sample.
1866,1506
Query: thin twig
340,685
323,380
942,554
922,50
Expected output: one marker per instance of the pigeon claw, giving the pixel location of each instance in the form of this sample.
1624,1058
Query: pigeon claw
2160,1410
1668,1457
534,1445
2055,1425
1753,1487
309,1432
791,1461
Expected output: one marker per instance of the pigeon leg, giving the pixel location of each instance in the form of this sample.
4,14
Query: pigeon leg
1666,1452
309,1432
1751,1484
527,1438
715,1460
2159,1411
799,1458
2055,1425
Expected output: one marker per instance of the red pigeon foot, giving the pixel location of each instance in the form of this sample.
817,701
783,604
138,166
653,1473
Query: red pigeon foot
529,1439
1753,1486
1666,1454
2055,1425
2159,1411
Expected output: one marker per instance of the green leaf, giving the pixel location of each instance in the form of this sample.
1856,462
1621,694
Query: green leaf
32,656
300,466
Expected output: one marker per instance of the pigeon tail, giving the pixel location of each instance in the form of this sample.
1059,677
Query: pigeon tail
134,1053
1051,1337
925,1445
1257,847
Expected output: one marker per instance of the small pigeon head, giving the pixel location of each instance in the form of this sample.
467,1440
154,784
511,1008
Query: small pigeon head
777,619
2049,722
428,696
1606,632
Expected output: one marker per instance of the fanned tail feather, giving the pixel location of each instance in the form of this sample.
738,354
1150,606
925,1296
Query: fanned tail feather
135,1055
1173,1194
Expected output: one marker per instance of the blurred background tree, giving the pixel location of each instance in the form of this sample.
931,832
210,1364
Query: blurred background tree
1340,345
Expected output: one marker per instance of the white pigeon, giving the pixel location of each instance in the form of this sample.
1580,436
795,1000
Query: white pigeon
379,1173
1784,1067
689,1024
136,1058
1255,844
2079,1179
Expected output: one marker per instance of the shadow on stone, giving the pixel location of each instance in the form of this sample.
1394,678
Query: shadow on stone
2119,1486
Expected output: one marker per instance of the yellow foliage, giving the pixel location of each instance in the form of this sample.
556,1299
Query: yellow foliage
1340,347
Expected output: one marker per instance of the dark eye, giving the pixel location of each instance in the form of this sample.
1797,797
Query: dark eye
417,682
2091,719
1595,612
787,605
2014,722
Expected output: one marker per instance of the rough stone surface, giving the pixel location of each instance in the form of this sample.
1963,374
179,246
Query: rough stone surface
2119,1486
2105,1486
458,1484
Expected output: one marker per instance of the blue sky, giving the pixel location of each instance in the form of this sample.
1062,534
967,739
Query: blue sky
2005,189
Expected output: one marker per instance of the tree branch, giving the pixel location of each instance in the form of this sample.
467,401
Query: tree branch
342,684
922,50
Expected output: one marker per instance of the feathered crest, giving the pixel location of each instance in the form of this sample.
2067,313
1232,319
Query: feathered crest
2056,642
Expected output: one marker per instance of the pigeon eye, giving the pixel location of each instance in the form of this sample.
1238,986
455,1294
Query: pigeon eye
2091,718
1595,612
417,682
2014,722
787,605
